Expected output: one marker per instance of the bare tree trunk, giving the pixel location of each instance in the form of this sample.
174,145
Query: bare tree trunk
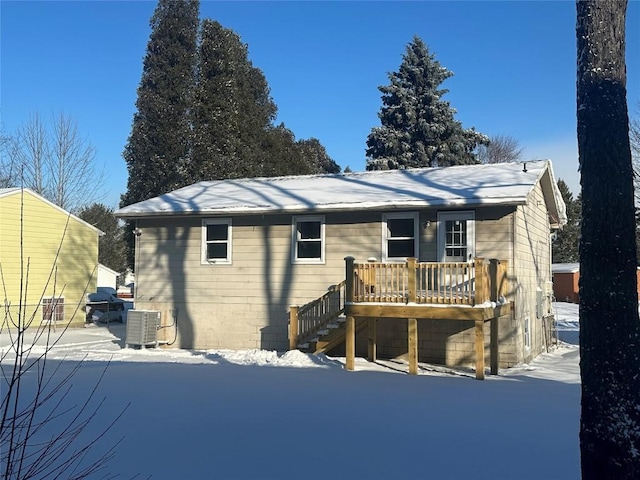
53,160
609,324
74,178
32,154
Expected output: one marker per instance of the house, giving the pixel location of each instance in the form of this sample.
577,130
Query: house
48,259
226,261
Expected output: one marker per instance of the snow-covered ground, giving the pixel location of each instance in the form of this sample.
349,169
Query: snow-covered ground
261,415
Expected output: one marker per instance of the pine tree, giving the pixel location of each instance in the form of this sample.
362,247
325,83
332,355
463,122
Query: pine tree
158,150
233,110
609,323
418,128
233,114
216,115
565,246
316,155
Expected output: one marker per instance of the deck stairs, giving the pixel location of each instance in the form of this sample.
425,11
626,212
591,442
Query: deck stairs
319,325
329,337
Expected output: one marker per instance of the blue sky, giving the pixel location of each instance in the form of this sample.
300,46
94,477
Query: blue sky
514,65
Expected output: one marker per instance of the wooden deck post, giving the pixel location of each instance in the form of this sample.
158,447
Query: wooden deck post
373,340
348,274
350,343
493,348
503,278
479,349
350,334
481,281
293,327
411,279
413,346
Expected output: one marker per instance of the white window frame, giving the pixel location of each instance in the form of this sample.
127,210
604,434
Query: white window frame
216,261
470,217
57,302
385,238
294,239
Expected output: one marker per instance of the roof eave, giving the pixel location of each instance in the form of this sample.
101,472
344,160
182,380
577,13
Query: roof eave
344,207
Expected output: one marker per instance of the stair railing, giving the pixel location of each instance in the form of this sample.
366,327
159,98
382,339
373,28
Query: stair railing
306,320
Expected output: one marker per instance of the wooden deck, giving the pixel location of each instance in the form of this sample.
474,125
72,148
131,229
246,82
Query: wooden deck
413,291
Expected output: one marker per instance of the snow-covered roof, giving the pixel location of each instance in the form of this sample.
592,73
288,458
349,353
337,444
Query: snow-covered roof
459,186
565,267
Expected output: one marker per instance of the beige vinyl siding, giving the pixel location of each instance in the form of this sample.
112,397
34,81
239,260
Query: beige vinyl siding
532,267
59,255
244,304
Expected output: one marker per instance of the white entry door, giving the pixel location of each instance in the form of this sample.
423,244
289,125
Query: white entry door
456,236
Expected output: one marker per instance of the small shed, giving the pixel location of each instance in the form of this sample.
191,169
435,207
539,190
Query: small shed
566,277
566,282
107,277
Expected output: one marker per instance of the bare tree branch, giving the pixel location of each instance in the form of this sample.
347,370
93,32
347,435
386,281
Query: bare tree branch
53,160
501,149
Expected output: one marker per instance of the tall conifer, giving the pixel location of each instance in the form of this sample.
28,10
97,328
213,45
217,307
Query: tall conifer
418,128
565,246
158,150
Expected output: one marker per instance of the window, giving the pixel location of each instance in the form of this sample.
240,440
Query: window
455,244
400,236
53,309
308,239
456,232
216,241
527,333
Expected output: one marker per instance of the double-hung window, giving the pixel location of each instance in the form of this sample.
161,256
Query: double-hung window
399,236
216,241
308,239
53,309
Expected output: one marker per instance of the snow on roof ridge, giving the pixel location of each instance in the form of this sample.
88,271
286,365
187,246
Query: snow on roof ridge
406,188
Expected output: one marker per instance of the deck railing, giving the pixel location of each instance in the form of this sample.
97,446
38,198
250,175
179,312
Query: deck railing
314,316
457,283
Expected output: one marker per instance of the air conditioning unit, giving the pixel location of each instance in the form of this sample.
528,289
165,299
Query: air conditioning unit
142,327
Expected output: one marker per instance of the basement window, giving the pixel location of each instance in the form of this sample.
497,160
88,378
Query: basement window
308,239
53,309
216,241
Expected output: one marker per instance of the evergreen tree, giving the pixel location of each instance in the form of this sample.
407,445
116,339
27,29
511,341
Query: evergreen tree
216,115
233,114
232,108
158,150
316,155
281,154
565,246
112,248
609,323
418,127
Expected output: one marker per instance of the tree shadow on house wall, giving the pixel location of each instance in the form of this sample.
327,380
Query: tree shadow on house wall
267,197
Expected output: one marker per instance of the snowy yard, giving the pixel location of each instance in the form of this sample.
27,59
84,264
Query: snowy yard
257,415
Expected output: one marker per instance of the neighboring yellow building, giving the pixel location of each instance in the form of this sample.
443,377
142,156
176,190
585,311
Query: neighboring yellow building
48,258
